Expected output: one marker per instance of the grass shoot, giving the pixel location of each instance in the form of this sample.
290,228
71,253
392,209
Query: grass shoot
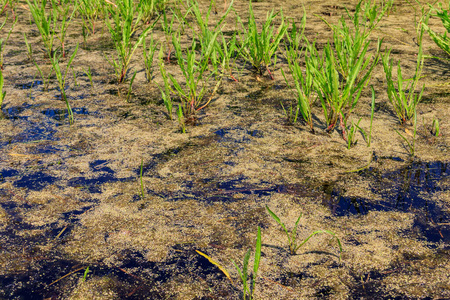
45,22
130,87
248,285
292,236
442,40
303,84
434,126
89,75
90,11
259,48
65,16
149,53
122,28
2,93
61,78
85,275
402,93
3,41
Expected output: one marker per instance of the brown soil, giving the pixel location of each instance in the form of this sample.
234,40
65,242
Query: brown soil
70,195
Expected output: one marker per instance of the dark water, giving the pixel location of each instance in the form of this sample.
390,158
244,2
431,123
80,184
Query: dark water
135,277
408,189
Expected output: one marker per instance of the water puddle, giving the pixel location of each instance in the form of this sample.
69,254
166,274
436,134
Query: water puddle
149,167
409,189
61,115
133,278
94,185
236,135
15,112
29,85
7,173
35,181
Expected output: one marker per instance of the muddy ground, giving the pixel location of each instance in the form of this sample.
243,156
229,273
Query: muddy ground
70,195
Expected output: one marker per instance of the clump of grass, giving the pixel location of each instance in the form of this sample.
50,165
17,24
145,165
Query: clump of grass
61,78
122,28
295,35
259,48
150,7
207,36
442,40
402,93
65,16
351,141
45,22
339,95
3,41
343,72
303,81
149,53
192,92
12,4
294,245
90,11
226,55
248,287
168,31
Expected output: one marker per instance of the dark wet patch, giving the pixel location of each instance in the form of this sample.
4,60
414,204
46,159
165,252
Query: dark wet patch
14,112
324,292
32,131
157,159
134,276
46,147
100,166
75,215
7,173
211,191
434,98
408,190
35,132
35,284
291,278
61,115
60,233
94,185
236,135
370,285
29,85
35,181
